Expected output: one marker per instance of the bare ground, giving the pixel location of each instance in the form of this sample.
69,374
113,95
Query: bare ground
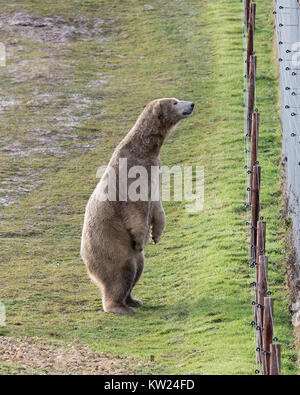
52,29
41,105
33,356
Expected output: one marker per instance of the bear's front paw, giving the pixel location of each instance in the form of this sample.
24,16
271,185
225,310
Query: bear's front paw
156,234
155,237
155,240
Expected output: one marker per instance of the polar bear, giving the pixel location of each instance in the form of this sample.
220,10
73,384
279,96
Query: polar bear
116,227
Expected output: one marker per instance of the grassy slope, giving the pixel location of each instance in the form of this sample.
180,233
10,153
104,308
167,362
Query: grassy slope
195,286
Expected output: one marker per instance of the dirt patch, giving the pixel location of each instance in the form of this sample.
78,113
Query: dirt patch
36,357
46,96
40,143
54,29
12,186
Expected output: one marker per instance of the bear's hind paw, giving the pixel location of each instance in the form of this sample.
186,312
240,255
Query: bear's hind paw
133,302
119,309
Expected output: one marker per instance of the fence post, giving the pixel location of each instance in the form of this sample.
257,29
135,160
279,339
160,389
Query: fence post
260,275
247,6
254,139
254,146
256,172
251,28
251,92
275,356
261,293
261,238
267,333
262,285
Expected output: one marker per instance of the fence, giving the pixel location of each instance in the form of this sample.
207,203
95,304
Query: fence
268,351
287,17
288,37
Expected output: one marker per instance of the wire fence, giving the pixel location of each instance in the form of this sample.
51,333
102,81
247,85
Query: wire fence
287,16
267,348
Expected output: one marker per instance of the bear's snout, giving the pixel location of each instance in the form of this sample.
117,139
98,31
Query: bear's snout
188,108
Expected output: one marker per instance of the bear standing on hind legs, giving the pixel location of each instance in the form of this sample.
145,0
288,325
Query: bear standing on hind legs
116,226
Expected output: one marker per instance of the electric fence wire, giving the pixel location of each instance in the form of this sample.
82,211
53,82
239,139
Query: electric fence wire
263,353
292,123
288,36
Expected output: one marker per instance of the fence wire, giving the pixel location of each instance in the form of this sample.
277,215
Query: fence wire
287,13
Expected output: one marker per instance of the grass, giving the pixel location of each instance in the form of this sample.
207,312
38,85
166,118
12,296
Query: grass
197,311
7,368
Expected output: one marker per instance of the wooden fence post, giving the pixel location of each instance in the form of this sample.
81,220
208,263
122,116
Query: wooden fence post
251,92
262,283
247,9
254,139
267,333
251,28
261,293
261,238
254,146
255,187
275,356
260,250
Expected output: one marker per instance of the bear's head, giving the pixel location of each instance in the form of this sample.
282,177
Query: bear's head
170,110
156,122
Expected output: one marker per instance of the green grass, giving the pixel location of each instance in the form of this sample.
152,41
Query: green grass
197,312
7,368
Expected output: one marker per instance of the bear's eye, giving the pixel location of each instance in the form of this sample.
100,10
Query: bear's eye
175,102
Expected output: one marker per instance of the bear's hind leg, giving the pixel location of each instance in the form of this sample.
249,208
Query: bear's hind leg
117,290
130,301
